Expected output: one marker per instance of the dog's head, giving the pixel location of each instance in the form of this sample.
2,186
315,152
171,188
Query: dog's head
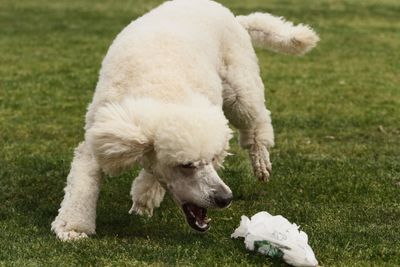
182,146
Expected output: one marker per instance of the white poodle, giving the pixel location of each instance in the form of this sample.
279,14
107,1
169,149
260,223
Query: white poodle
168,85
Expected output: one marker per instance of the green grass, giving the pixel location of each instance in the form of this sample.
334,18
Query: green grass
336,114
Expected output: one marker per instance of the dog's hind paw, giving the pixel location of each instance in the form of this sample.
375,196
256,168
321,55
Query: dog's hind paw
262,166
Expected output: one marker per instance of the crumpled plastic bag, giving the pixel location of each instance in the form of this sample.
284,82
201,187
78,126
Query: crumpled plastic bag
276,237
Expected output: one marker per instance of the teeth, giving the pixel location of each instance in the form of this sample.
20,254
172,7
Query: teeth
191,213
202,226
207,220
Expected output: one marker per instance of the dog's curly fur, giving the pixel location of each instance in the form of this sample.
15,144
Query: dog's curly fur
168,85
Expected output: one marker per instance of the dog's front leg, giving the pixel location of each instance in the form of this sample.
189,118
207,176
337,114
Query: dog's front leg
77,215
147,194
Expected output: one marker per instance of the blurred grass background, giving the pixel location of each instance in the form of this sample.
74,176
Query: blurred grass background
336,113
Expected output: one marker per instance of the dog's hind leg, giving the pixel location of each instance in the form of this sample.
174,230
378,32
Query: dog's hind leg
147,194
77,215
244,106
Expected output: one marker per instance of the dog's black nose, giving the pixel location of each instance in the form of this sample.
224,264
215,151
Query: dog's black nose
223,200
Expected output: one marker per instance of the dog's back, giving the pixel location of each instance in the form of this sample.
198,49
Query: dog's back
183,47
168,51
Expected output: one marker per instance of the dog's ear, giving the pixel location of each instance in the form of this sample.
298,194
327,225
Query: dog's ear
116,140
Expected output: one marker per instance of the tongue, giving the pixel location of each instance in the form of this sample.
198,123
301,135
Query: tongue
196,217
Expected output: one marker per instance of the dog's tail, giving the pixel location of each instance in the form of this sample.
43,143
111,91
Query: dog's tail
278,35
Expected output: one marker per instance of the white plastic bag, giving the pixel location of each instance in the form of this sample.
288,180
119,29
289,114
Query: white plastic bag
275,236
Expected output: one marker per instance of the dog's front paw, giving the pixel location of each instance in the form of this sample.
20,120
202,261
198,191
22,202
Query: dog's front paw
262,166
141,209
145,202
59,227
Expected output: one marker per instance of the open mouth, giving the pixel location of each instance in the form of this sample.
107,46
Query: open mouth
196,217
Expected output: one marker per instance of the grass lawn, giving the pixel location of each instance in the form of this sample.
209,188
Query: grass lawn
336,164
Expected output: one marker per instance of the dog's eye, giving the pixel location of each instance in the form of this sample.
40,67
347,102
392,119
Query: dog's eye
189,165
